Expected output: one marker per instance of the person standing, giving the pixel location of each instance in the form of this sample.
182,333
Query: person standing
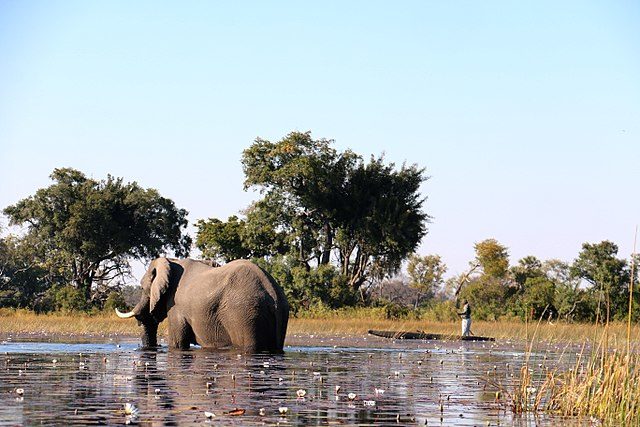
466,318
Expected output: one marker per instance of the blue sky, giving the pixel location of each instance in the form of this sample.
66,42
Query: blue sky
526,115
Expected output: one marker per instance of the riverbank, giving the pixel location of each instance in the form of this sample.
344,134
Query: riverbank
18,322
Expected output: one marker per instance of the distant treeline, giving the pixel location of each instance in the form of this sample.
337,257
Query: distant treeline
332,228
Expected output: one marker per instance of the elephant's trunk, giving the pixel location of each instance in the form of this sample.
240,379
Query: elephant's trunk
150,335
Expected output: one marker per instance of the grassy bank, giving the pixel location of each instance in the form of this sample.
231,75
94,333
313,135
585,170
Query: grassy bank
341,322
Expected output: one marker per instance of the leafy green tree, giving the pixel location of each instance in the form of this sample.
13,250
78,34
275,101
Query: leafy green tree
222,240
493,258
81,230
22,280
487,297
426,273
538,297
607,275
322,207
528,267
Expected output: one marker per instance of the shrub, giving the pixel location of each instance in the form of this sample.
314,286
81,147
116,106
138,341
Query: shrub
68,299
115,300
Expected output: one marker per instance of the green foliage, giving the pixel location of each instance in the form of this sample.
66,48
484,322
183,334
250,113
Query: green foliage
115,300
538,297
493,258
307,287
487,297
608,276
221,240
68,299
426,273
81,231
21,280
440,311
329,212
528,268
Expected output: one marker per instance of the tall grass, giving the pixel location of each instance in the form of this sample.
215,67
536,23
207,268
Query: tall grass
354,322
603,385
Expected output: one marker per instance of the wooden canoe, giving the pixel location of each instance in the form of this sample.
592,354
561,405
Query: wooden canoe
419,335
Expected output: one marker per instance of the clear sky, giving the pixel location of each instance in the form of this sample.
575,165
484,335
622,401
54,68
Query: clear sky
525,114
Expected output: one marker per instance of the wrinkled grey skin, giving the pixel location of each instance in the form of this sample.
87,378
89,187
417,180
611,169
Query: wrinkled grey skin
237,305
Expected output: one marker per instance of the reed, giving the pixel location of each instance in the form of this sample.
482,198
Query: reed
603,385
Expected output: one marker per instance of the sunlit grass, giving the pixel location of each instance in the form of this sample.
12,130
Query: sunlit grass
29,323
603,385
347,322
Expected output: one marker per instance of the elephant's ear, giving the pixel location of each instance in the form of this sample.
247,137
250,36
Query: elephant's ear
160,283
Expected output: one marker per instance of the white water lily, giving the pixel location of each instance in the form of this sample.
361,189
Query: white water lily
131,409
283,410
19,391
262,412
301,393
351,396
379,391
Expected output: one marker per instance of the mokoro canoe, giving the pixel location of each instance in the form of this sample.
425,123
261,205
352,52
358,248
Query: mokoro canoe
418,335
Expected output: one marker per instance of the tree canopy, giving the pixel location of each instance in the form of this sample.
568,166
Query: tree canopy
322,207
82,231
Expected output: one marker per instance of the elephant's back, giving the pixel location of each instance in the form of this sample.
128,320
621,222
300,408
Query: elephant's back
248,275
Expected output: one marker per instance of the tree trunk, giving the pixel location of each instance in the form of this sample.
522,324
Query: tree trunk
326,253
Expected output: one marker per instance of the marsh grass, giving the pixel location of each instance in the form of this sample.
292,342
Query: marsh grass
355,322
603,385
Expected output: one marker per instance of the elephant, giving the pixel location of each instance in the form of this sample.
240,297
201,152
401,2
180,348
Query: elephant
236,305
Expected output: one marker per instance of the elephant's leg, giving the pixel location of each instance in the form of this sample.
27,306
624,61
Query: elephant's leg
252,331
180,333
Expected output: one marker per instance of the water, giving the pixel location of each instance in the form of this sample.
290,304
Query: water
394,383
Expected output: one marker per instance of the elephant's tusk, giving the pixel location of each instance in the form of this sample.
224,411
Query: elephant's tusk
125,315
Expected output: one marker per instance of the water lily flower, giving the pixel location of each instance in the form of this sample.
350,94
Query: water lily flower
19,391
351,396
131,409
301,393
283,410
379,391
262,412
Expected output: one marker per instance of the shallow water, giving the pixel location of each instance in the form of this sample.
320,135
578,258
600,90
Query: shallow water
442,383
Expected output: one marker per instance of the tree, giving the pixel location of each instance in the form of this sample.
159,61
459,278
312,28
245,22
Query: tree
528,267
322,207
426,273
608,276
82,230
222,240
21,280
538,297
493,258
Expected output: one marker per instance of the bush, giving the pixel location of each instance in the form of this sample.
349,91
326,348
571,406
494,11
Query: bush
115,300
68,299
304,288
440,311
